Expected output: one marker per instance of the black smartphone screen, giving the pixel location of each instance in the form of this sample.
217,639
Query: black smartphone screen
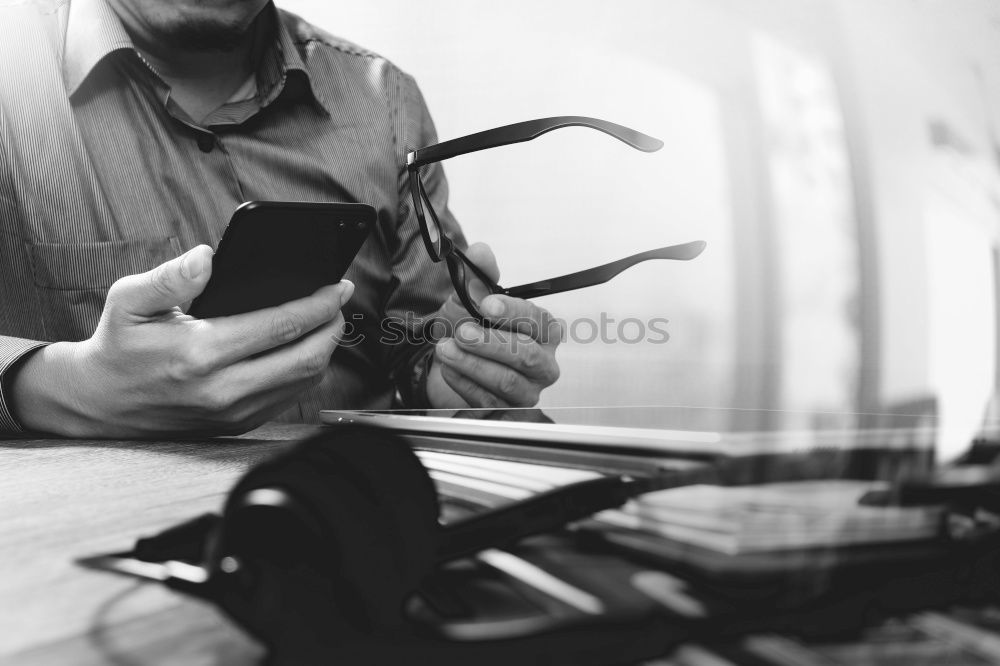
275,251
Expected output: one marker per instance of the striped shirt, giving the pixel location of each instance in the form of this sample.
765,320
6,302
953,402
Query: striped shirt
103,175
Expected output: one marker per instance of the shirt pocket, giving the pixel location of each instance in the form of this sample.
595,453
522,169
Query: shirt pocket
72,279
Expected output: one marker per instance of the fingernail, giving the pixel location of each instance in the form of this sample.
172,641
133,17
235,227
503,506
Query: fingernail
348,291
468,333
492,306
194,263
447,349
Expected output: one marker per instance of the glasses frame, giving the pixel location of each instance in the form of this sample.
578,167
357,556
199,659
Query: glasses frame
441,247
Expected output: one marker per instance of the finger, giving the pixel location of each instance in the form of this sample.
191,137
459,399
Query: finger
230,339
303,360
472,393
502,381
164,287
254,409
517,314
516,350
482,256
440,393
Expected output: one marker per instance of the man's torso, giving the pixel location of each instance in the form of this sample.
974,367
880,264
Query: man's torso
112,181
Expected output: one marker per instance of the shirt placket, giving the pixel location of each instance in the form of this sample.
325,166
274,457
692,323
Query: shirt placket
207,137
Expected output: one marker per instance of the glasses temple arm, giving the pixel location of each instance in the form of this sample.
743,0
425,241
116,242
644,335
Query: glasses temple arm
601,274
526,131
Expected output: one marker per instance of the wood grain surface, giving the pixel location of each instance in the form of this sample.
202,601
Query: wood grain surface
63,499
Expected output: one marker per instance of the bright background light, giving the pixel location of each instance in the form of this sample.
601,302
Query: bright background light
841,158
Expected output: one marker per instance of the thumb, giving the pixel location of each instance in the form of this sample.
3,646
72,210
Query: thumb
482,256
166,286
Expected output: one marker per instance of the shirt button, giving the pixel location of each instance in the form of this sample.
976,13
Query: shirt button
206,142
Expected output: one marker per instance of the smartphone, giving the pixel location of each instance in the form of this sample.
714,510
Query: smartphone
273,252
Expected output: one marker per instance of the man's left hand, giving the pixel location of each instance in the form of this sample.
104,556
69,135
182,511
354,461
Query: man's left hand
505,366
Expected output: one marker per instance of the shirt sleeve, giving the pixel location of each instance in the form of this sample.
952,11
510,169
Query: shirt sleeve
420,285
12,352
12,349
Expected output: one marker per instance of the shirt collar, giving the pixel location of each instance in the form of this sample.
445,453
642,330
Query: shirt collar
279,60
93,32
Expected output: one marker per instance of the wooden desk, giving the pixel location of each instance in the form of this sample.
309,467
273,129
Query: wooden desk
63,499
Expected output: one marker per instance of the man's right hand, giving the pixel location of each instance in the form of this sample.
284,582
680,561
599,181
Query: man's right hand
150,370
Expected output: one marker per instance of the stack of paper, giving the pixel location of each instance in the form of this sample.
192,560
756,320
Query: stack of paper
491,483
775,516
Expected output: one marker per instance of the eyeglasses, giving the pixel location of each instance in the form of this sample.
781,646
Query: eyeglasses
462,270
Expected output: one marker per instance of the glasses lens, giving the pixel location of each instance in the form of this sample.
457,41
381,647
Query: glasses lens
431,223
470,290
470,286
